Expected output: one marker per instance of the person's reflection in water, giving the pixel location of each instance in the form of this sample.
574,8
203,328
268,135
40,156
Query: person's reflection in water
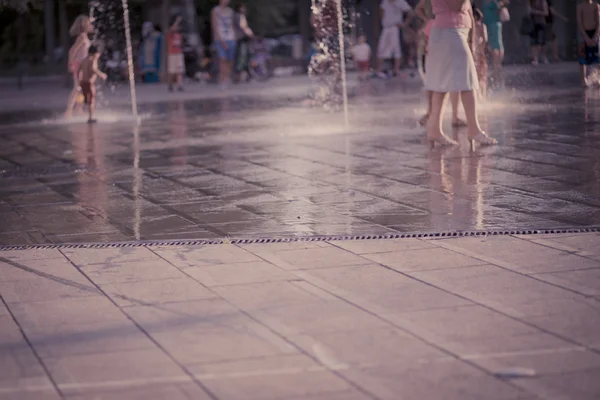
179,132
89,152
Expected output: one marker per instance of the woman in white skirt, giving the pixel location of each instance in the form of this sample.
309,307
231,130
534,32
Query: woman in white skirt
450,68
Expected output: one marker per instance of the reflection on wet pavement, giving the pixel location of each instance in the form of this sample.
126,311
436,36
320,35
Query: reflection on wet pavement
231,167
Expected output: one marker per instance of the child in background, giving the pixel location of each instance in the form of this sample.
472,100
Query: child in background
260,57
588,23
175,61
88,72
361,53
480,44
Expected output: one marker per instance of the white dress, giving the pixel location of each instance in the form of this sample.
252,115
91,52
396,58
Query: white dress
450,66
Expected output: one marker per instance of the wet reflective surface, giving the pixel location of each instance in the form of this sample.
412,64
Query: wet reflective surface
257,166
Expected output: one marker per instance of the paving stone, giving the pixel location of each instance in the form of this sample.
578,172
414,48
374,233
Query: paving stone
279,386
132,271
91,338
73,373
367,347
31,254
171,391
84,257
522,255
238,273
382,246
574,385
84,310
194,256
423,259
589,243
313,258
394,291
259,296
544,363
53,269
32,394
455,379
493,285
156,291
586,282
39,289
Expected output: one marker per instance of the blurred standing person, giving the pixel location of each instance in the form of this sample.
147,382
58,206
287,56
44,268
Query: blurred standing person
176,62
392,20
491,19
80,30
243,35
551,41
150,52
424,11
538,9
588,23
451,68
223,25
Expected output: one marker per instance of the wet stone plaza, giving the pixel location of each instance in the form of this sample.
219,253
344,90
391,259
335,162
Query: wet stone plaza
264,163
219,251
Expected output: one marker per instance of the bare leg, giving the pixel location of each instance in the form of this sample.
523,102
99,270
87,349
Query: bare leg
584,81
92,107
72,97
473,128
424,118
454,102
223,71
179,80
555,50
434,125
535,53
397,62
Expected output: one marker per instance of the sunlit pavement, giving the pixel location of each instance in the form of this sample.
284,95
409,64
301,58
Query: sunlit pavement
476,317
501,317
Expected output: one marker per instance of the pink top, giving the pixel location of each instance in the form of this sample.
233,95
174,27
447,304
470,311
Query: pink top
446,18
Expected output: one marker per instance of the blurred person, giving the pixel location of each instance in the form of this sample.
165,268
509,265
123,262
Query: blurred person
538,9
175,60
424,11
451,68
150,52
551,41
491,18
480,39
361,54
392,20
223,26
87,73
588,23
80,30
243,35
260,57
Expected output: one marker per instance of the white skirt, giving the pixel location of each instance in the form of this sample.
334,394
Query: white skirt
449,66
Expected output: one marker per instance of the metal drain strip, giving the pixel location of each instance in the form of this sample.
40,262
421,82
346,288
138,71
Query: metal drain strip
318,238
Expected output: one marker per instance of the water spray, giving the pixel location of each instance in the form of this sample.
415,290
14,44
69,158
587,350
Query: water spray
130,61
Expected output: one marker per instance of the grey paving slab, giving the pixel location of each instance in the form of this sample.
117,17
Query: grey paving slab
455,379
521,255
382,246
205,256
74,373
423,259
175,391
585,281
149,269
239,273
393,291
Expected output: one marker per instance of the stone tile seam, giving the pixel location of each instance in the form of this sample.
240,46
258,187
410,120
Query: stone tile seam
293,239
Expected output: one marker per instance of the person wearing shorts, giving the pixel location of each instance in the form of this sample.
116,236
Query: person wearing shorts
223,25
538,9
175,61
361,53
588,24
392,18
